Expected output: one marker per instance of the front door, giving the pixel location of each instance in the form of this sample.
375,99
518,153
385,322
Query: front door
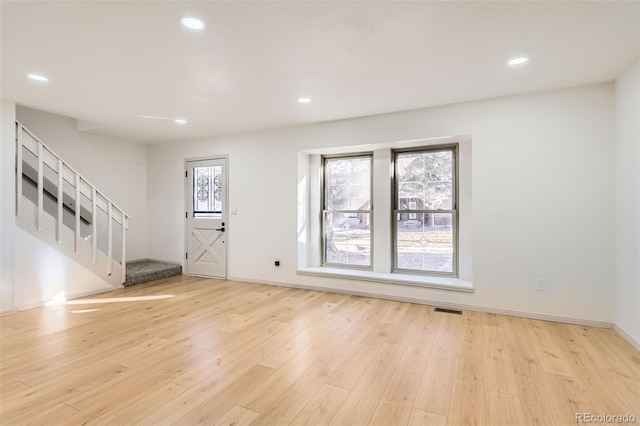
206,217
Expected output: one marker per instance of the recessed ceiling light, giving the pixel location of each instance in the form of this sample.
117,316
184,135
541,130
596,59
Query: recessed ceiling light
304,100
38,77
192,23
180,121
518,61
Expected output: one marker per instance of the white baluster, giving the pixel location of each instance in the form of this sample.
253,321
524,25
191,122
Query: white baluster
110,250
40,186
19,135
78,205
63,168
60,198
94,226
124,246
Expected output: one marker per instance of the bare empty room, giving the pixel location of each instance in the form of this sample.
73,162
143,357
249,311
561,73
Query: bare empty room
320,213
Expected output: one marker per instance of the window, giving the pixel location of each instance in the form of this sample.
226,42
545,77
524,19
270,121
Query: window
425,225
347,211
398,213
207,191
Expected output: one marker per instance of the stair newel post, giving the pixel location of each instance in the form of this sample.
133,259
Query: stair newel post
40,185
110,236
78,206
19,134
60,200
123,218
94,226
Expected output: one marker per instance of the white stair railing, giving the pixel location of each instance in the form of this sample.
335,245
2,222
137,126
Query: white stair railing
47,157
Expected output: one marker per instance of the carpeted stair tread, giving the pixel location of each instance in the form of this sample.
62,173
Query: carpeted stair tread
143,271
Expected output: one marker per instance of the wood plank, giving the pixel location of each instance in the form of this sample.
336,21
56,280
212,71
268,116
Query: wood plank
396,405
31,402
239,355
292,347
420,418
420,341
468,403
237,416
212,408
170,351
348,375
365,396
263,394
289,403
60,414
137,408
503,409
498,370
437,384
322,406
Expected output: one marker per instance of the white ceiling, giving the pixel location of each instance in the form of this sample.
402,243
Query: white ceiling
112,62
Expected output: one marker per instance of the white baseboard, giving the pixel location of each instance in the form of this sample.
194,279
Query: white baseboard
627,337
489,310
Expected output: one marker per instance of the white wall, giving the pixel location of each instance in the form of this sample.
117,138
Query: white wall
118,168
44,274
8,205
627,204
542,198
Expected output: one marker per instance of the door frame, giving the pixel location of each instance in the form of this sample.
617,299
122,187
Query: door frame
225,211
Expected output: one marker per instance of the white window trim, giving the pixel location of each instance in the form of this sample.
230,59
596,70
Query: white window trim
309,212
427,281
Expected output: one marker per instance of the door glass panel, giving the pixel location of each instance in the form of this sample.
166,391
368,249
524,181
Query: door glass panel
207,192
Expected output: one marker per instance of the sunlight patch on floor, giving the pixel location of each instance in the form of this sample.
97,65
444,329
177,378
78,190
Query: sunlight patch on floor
118,299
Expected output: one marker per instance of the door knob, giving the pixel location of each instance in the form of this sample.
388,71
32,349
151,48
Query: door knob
220,229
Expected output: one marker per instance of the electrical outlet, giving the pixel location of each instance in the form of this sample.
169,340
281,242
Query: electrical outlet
541,284
277,263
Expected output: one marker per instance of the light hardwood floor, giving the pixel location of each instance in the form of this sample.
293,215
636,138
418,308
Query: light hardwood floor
187,350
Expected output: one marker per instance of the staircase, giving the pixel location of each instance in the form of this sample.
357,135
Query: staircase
142,271
64,210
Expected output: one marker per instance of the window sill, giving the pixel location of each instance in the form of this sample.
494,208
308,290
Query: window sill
440,283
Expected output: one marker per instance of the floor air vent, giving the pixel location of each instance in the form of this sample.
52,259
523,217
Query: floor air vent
449,311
